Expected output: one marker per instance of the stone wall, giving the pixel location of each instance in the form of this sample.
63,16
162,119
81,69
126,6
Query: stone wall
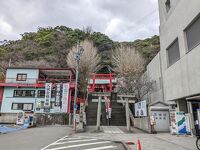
52,119
8,118
41,119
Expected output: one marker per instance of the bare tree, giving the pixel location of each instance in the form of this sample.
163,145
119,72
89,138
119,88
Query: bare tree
130,65
127,61
88,62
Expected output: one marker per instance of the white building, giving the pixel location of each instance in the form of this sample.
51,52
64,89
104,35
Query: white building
176,68
180,54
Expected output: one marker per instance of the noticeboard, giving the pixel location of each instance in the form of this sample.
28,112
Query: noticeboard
141,109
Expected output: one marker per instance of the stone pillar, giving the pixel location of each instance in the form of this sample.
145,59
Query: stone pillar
127,115
98,114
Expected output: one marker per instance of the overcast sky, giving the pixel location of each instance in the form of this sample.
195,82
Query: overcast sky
121,20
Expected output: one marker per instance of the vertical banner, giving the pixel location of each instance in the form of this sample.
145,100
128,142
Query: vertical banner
38,105
65,96
48,87
58,94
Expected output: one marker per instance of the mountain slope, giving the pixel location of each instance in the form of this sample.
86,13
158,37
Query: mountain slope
50,47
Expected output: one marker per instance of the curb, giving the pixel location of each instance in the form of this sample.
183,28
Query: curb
124,144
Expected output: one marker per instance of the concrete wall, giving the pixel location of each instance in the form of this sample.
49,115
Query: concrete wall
164,15
142,123
182,79
8,118
32,75
154,73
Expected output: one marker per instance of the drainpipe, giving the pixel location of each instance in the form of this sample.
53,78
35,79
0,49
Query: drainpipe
163,93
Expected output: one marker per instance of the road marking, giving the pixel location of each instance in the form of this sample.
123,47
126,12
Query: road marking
83,140
100,148
112,129
79,145
65,139
53,143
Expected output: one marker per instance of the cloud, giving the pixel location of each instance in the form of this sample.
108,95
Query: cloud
123,20
5,27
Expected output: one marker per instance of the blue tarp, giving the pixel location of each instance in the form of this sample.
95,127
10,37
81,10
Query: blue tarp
10,128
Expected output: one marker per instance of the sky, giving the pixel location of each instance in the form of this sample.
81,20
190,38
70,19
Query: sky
121,20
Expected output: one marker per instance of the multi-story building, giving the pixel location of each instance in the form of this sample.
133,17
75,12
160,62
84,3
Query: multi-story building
180,54
176,69
25,89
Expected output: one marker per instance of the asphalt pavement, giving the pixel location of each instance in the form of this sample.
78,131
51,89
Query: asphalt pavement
33,138
83,143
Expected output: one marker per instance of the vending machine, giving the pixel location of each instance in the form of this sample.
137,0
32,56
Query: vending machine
26,119
20,118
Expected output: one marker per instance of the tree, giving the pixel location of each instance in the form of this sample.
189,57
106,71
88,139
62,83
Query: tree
130,65
127,61
88,63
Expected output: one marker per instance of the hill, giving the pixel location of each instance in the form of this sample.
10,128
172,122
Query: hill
50,47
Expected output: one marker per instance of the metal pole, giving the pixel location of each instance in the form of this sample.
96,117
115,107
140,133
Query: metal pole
99,114
75,94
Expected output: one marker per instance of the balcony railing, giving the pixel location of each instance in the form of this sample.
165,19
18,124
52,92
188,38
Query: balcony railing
36,81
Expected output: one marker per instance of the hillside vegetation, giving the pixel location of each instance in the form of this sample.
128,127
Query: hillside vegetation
50,47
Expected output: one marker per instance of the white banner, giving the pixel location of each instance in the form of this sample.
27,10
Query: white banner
141,109
65,95
47,100
58,94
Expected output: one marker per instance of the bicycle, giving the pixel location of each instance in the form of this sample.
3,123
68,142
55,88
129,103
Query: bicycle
198,142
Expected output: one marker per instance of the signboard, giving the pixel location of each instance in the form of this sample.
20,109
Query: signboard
141,109
47,100
56,109
65,97
109,112
58,94
181,122
38,104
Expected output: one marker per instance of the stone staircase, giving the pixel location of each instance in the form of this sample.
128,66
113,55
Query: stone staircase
118,114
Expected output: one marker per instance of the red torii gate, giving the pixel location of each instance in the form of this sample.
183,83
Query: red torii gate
109,77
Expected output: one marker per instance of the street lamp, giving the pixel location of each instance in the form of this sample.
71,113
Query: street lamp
77,56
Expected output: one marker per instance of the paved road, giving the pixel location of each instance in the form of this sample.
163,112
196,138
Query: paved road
83,143
160,141
33,138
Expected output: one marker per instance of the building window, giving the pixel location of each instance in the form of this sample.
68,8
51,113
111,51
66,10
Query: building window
193,34
27,106
22,106
24,93
42,104
168,5
173,52
41,93
21,77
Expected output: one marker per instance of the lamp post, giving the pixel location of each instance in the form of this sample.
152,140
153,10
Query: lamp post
77,56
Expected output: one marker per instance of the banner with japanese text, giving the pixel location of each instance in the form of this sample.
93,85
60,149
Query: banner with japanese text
47,101
58,94
65,97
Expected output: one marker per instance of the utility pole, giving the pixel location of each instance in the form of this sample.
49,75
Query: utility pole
77,57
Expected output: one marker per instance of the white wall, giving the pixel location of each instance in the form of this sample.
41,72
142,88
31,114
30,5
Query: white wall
11,75
154,73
